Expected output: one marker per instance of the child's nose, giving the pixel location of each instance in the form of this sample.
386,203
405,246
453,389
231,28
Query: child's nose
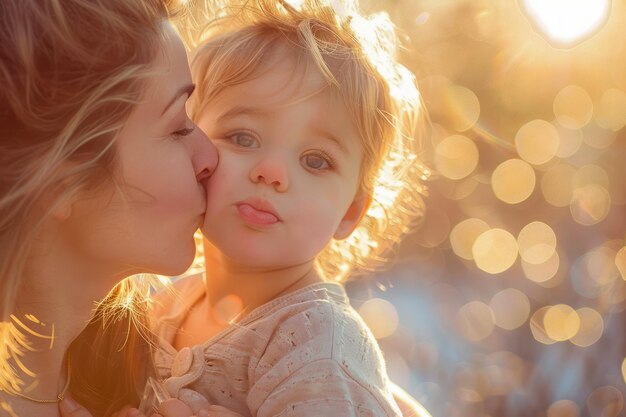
271,171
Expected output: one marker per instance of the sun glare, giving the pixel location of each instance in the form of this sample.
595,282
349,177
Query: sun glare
567,22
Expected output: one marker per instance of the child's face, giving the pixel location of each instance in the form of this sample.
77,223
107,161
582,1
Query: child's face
288,176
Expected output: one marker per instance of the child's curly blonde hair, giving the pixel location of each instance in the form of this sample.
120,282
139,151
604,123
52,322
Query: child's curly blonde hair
357,56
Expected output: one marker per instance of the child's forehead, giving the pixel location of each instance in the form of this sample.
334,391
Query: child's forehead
285,80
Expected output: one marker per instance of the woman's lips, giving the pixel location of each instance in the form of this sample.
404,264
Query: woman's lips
252,215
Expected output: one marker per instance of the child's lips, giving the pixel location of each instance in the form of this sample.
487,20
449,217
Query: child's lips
257,212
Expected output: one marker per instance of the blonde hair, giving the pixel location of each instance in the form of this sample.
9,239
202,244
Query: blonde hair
71,72
357,56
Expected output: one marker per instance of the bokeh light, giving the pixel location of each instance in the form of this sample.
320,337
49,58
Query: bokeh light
590,204
463,107
538,328
513,181
464,235
537,142
595,273
611,110
561,322
456,157
590,175
495,251
542,272
511,308
536,242
380,316
573,107
605,401
563,408
570,141
591,327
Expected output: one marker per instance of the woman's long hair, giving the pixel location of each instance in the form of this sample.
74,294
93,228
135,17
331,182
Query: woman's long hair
71,72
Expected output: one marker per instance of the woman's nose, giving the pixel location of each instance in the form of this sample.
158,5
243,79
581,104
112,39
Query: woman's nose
204,157
271,171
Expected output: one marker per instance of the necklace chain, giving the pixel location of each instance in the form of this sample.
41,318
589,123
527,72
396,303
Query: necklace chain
59,397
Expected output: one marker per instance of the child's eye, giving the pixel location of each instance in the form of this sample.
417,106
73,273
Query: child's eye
244,140
317,162
183,132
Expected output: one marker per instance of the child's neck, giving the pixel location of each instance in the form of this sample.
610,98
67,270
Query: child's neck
253,286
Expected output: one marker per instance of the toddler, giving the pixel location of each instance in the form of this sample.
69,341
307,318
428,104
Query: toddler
315,123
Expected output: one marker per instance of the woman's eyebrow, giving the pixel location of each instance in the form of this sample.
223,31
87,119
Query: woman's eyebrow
186,89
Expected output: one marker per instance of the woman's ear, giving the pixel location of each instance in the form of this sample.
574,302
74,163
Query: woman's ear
353,216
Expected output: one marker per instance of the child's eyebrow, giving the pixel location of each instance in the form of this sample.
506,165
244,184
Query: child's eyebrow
241,111
328,135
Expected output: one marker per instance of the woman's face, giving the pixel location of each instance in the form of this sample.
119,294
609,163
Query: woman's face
157,200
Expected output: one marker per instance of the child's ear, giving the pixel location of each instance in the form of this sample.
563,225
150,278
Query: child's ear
353,216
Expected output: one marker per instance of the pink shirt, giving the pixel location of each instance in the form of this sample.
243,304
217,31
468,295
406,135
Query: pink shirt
307,353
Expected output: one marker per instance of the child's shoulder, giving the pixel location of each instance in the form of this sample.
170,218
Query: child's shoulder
320,326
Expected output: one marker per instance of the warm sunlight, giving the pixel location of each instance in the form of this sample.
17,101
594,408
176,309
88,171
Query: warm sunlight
567,22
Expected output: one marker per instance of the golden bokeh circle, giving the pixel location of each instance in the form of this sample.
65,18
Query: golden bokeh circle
380,316
563,408
590,174
456,157
537,142
561,322
463,107
542,272
570,141
511,308
513,181
591,327
610,113
536,242
537,326
573,107
590,204
495,251
464,234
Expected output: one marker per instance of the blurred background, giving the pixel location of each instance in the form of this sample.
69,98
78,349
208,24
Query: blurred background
510,299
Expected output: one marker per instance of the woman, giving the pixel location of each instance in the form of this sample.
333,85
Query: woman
101,176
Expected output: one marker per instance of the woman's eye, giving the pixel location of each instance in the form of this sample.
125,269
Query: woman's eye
244,140
184,132
317,162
